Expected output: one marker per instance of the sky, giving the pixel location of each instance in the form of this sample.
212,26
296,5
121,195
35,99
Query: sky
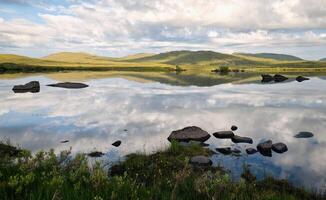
121,27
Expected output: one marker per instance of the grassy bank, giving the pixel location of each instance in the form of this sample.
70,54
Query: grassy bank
164,175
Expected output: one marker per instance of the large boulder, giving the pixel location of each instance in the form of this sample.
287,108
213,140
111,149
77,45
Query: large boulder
266,78
251,151
265,148
279,147
239,139
279,78
301,78
191,133
304,134
33,87
224,134
200,161
69,85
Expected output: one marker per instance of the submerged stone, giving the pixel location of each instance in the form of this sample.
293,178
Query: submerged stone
279,147
236,151
266,78
116,143
234,128
304,134
69,85
301,78
224,134
200,161
64,141
33,87
265,148
279,78
251,151
239,139
224,150
95,154
191,133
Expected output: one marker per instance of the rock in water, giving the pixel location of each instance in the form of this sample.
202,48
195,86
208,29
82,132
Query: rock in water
239,139
304,134
234,128
69,85
265,148
279,78
266,78
200,161
301,78
251,151
191,133
95,154
64,141
33,87
225,150
116,143
279,147
224,134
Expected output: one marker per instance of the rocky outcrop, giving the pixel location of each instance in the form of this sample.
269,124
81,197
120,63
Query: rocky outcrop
33,87
304,134
224,134
116,143
279,78
69,85
266,78
191,133
265,148
200,161
301,78
239,139
279,147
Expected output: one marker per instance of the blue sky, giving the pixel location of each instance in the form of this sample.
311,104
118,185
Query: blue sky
120,27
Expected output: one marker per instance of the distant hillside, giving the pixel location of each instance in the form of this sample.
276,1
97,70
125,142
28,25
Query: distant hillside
274,56
137,56
193,57
73,57
323,60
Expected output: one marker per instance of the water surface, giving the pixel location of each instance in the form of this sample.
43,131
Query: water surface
142,115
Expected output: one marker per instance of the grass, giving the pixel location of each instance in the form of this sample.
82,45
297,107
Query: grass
163,175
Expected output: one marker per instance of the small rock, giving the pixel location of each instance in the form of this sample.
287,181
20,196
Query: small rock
95,154
224,134
266,78
279,147
304,134
265,148
116,143
33,87
225,150
200,161
64,141
251,151
192,133
69,85
239,139
234,128
301,78
280,78
236,151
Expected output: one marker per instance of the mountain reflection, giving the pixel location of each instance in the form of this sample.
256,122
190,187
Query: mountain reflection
95,117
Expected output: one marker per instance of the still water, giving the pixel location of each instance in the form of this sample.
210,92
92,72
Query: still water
142,115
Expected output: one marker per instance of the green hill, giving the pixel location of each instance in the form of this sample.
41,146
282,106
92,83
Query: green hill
274,56
79,57
323,60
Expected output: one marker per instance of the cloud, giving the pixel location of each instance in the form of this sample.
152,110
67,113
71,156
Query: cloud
124,26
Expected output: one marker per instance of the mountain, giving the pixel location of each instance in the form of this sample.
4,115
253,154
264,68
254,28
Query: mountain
274,56
73,57
323,60
188,57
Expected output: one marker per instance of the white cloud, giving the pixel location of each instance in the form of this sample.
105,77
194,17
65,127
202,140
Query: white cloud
124,26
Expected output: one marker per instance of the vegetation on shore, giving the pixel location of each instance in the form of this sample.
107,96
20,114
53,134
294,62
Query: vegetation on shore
163,175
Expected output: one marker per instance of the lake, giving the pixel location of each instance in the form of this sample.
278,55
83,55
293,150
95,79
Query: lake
141,110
